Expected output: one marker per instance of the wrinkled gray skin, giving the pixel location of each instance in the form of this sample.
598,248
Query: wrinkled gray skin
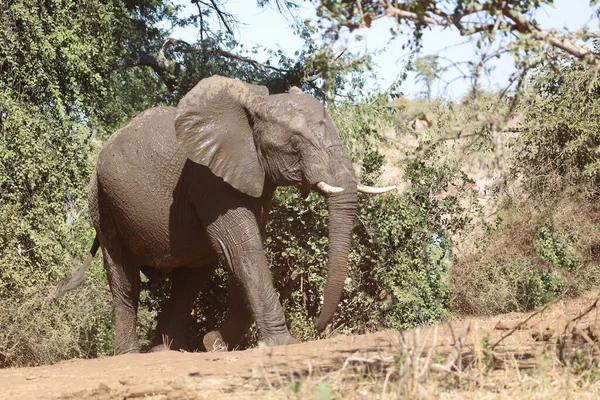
178,189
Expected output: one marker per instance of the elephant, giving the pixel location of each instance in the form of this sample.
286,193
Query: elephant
181,188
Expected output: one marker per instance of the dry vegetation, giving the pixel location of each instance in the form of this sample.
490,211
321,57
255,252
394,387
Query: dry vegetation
550,353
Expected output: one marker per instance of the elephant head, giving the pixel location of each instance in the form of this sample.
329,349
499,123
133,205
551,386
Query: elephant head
250,138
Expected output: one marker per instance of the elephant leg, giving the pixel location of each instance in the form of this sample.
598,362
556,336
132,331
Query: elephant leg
235,235
174,318
236,325
124,282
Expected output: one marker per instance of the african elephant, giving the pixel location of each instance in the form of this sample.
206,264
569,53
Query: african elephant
181,188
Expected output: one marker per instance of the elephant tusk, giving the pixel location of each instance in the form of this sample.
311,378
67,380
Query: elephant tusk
328,189
374,190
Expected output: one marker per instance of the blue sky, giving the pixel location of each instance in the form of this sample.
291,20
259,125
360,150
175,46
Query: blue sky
270,29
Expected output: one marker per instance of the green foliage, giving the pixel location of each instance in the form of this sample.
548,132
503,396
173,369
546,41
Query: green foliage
54,60
543,245
529,255
488,353
561,132
555,247
323,392
427,70
504,285
400,256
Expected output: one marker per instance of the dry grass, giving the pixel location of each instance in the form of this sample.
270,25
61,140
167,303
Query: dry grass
498,273
36,330
565,365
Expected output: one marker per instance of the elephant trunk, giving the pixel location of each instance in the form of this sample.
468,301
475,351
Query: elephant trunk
342,213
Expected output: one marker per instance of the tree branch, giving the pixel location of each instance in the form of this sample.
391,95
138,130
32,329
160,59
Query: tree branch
433,16
443,20
184,47
524,26
170,70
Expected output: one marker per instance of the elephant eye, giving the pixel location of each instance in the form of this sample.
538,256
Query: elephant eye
295,144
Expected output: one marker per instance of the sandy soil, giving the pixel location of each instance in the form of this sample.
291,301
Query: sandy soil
266,372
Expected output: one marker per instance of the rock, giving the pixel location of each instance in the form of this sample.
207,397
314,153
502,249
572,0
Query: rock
501,326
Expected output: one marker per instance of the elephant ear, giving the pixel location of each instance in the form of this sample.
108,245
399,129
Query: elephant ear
213,128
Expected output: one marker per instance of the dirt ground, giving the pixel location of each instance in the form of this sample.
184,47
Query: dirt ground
278,372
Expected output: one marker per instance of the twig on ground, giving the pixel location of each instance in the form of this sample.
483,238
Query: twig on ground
458,374
520,324
450,361
589,340
376,359
583,314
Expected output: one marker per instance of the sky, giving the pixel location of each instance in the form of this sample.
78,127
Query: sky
268,28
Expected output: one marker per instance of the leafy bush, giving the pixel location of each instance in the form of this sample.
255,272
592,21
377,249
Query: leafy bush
555,247
561,132
546,241
39,331
529,255
53,57
401,252
503,285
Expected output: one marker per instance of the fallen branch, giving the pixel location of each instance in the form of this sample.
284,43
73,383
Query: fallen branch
582,314
450,361
520,324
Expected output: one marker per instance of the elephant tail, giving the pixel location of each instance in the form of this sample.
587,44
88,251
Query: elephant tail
69,283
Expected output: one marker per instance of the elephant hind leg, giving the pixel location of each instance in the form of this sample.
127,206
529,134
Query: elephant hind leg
124,281
239,319
174,318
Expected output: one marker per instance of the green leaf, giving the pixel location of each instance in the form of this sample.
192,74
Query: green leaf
323,392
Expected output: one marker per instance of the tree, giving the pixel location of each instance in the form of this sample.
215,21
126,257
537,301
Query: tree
485,21
56,62
72,72
428,71
180,65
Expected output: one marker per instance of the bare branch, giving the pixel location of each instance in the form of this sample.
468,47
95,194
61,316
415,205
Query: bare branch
224,17
170,70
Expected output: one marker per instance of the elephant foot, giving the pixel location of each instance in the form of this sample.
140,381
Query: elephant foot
213,341
134,350
281,340
165,343
159,347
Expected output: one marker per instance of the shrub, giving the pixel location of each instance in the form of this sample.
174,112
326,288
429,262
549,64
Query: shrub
54,57
39,331
560,133
401,252
503,285
555,247
544,239
529,255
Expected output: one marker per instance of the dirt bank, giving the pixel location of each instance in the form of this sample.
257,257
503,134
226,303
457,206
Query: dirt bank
279,372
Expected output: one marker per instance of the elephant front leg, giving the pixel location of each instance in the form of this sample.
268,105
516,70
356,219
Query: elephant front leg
236,237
